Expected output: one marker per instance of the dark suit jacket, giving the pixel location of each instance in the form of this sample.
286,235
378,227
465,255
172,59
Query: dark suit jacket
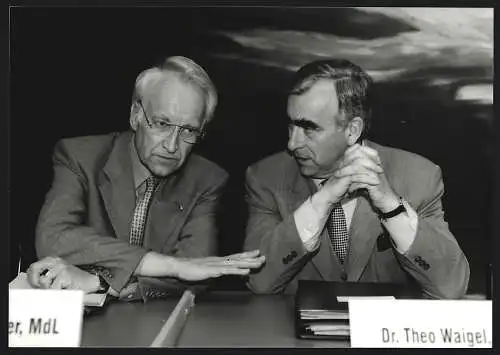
87,212
435,262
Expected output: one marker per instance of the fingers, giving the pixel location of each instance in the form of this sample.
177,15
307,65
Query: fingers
36,269
60,282
245,264
358,151
357,186
47,279
366,179
219,259
358,166
248,254
251,263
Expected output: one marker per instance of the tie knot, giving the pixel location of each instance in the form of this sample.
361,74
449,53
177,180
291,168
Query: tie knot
337,205
152,182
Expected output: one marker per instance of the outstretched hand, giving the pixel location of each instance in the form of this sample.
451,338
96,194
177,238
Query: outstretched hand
198,269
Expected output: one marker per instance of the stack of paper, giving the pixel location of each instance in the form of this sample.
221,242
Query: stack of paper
90,299
322,308
329,329
331,322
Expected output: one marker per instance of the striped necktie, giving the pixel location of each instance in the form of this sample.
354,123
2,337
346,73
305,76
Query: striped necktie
141,211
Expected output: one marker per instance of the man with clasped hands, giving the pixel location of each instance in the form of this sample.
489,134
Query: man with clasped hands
339,207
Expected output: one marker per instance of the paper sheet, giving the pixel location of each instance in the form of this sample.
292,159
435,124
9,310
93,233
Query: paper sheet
347,298
90,299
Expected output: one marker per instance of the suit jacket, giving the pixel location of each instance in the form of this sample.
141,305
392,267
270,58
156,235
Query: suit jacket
87,212
275,189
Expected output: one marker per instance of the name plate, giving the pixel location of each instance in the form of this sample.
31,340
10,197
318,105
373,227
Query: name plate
421,323
45,318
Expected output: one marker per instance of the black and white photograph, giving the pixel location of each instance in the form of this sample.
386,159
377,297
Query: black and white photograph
250,176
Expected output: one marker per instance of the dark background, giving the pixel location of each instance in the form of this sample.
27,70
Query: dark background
73,70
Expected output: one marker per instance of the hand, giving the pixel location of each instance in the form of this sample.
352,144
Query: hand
363,166
55,273
336,188
198,269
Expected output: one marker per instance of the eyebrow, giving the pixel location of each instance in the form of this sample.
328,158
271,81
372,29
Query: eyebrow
305,123
166,118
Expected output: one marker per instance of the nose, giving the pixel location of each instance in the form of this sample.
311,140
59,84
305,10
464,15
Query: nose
171,141
296,138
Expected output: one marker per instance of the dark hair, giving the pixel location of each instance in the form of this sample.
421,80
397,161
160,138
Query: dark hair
352,85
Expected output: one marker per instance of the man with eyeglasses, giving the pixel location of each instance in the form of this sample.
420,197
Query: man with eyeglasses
339,207
133,214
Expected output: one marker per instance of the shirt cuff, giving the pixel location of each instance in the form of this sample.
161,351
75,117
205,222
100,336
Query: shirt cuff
403,228
308,224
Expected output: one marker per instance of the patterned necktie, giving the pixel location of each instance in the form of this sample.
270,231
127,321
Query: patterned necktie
337,230
141,212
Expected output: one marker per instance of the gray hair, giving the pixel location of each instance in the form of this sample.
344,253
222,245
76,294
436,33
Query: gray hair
351,83
189,71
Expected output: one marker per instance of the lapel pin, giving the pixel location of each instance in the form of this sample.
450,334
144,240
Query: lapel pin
181,207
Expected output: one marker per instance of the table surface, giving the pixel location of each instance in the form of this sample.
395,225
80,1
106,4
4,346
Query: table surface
240,319
219,319
126,324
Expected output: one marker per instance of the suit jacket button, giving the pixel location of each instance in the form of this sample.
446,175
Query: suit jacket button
343,276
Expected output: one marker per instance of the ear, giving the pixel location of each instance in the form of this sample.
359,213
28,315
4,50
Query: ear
354,130
135,116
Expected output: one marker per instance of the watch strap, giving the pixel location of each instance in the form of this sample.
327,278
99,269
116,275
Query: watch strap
393,213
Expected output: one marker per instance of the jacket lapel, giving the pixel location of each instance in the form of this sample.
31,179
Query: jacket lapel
363,232
117,187
166,209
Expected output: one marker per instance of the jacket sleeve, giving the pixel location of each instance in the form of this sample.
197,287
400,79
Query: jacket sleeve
276,237
435,259
62,230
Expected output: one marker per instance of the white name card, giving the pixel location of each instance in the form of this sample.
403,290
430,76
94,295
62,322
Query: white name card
421,323
45,318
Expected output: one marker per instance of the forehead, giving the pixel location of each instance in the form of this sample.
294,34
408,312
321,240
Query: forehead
318,104
176,99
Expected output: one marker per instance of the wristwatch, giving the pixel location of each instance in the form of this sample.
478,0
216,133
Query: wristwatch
398,210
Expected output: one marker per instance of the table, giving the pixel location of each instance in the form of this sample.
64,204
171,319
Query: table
240,319
126,324
219,319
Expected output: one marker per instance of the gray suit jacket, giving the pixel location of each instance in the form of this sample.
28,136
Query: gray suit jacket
87,212
435,262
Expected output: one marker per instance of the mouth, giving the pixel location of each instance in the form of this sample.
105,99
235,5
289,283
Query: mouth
302,158
167,159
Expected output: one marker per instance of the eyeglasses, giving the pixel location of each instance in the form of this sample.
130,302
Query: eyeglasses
188,134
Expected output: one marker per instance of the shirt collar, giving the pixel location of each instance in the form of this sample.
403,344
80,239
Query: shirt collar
140,172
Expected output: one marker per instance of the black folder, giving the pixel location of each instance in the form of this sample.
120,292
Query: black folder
320,298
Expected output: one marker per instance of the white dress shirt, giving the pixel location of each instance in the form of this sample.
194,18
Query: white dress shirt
310,223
